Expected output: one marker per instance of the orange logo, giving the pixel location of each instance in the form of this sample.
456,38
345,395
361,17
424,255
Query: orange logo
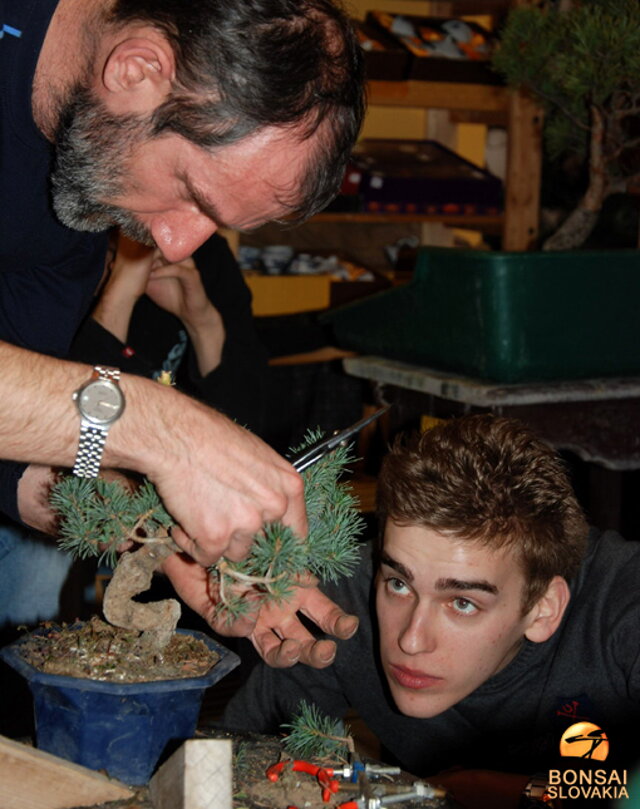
584,740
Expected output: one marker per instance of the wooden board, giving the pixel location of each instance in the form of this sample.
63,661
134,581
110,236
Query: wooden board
32,779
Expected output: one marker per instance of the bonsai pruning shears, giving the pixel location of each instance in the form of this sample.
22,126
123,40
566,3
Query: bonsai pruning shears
310,455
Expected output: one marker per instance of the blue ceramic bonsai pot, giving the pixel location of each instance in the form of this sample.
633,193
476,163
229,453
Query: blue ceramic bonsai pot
122,728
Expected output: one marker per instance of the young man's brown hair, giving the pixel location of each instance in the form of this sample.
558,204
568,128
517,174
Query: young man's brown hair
492,480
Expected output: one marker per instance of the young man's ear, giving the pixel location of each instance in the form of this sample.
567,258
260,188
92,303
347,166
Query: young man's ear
546,615
137,74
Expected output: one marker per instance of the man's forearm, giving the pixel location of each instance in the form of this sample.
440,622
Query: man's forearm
39,423
219,482
38,420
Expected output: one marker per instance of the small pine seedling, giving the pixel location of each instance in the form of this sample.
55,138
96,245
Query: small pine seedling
314,735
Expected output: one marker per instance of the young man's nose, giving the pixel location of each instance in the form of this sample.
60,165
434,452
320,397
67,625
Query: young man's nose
179,235
420,632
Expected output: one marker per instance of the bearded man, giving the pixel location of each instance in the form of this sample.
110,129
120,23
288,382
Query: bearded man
170,120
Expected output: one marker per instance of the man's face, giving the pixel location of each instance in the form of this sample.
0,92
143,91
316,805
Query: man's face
165,190
450,616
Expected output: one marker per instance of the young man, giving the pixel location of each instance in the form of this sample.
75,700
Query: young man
170,120
491,621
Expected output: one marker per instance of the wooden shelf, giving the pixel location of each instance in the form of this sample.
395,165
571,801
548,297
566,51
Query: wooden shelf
486,224
523,121
444,95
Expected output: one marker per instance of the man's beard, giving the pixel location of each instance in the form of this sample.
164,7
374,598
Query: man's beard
92,147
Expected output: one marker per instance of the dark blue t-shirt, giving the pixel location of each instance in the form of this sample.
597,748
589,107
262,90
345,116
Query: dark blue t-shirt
48,272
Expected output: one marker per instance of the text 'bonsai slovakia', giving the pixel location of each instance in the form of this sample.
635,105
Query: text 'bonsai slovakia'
99,516
580,59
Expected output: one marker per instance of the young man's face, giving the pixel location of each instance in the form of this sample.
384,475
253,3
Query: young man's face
450,616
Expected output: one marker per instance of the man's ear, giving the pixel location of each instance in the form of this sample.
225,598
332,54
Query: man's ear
137,74
546,615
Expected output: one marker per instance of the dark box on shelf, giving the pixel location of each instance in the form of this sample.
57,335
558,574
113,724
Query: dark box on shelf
422,177
384,57
467,44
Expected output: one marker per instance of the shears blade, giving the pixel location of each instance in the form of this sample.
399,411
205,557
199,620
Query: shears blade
310,455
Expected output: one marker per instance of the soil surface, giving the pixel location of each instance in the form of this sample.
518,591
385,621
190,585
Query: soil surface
96,650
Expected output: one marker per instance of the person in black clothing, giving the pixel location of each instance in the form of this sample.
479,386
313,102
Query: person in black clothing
211,351
170,120
491,620
192,319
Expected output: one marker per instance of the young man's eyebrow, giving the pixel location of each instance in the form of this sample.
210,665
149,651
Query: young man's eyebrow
462,584
441,584
385,559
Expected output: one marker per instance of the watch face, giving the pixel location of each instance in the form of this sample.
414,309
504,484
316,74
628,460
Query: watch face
101,402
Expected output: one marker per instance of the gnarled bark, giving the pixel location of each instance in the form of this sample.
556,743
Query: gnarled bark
132,576
575,229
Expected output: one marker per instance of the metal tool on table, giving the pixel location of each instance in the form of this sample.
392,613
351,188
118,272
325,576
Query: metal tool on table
356,774
351,771
379,795
310,455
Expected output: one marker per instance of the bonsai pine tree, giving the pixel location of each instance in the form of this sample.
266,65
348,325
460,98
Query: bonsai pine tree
97,517
581,60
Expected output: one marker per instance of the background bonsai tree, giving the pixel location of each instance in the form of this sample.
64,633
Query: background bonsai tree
97,517
581,60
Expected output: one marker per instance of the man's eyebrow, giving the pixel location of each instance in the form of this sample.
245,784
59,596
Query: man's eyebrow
461,584
211,210
206,206
385,559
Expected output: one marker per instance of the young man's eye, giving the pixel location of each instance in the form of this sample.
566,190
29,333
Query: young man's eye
396,586
464,606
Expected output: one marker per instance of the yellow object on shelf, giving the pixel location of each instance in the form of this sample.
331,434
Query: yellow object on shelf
287,294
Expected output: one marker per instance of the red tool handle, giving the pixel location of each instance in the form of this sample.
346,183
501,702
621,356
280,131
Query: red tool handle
275,770
305,766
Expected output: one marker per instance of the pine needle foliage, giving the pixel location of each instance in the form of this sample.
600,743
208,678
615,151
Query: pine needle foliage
571,60
278,557
313,735
98,515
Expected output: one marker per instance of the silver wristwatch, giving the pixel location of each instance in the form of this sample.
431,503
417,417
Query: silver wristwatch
101,403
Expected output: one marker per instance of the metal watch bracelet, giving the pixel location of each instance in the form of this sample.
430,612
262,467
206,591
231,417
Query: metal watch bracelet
94,427
90,449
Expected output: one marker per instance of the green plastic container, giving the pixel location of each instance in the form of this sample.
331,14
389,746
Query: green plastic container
506,317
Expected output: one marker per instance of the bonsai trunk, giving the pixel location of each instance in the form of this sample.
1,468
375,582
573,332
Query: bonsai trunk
576,228
133,575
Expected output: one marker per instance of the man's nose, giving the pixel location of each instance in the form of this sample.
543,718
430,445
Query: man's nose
420,633
179,235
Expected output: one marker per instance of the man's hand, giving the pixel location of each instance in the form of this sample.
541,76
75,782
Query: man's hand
219,482
275,631
34,488
178,289
125,282
282,640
